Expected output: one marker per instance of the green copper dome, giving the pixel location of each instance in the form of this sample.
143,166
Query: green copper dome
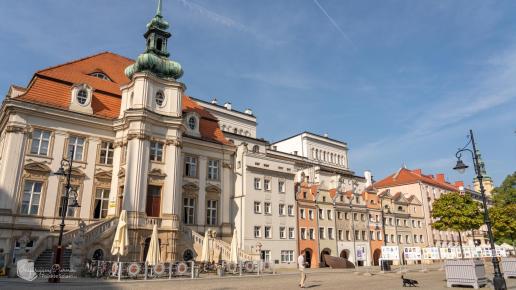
155,58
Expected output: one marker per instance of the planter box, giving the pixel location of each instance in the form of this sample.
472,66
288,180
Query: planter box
469,272
509,267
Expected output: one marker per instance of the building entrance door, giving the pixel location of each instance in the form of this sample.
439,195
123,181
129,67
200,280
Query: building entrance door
153,201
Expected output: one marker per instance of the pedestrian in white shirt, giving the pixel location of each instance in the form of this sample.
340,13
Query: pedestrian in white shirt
301,265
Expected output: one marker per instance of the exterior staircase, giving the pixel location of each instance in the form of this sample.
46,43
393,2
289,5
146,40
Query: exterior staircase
42,252
46,259
218,245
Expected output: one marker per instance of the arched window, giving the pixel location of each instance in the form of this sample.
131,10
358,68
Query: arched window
316,153
159,44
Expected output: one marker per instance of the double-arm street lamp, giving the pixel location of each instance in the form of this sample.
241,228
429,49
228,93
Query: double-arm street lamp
69,193
498,280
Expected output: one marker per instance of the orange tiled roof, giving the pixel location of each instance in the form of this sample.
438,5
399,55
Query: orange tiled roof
406,176
52,87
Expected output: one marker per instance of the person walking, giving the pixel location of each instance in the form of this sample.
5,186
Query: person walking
302,265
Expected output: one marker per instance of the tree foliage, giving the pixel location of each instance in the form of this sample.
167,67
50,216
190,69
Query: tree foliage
503,221
506,192
456,212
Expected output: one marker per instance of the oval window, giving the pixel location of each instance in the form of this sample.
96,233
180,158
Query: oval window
160,99
191,123
82,97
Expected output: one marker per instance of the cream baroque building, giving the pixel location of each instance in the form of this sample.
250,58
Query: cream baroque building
139,143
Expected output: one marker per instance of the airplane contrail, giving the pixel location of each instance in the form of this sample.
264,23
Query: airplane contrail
333,22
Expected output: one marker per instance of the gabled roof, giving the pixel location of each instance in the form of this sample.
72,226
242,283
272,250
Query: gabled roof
405,176
52,87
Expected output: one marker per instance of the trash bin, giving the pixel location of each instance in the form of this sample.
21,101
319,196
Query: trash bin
385,265
220,272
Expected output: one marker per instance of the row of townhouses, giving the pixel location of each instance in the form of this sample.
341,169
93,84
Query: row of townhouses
139,143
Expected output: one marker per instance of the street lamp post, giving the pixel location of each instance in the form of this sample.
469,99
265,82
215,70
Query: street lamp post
56,267
354,195
498,280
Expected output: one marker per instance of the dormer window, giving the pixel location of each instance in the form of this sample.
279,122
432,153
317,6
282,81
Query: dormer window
192,123
160,99
80,99
100,76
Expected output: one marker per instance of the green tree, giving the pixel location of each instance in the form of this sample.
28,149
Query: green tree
503,221
506,192
456,212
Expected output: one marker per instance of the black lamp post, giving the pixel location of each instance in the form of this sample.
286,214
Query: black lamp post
498,280
56,267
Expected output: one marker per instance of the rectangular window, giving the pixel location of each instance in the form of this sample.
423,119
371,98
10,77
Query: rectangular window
267,184
364,236
213,169
355,216
421,240
190,166
302,213
268,233
281,209
291,210
303,234
362,217
101,203
418,224
379,236
211,212
267,208
156,151
371,236
321,214
311,233
291,233
31,197
257,207
413,223
70,212
106,153
348,235
40,142
189,210
404,223
407,239
321,233
265,255
357,235
257,231
341,235
398,222
415,239
310,214
399,239
339,215
330,233
392,239
282,233
77,145
257,183
281,186
287,256
346,216
329,214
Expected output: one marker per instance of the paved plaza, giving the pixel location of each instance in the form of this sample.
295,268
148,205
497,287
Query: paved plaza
317,279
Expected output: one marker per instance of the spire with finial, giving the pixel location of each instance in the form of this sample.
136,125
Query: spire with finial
155,58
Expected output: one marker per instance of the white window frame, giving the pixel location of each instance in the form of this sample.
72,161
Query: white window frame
191,166
213,169
282,232
291,233
38,135
106,148
281,186
156,151
266,184
302,213
322,233
287,256
189,210
31,198
75,145
257,231
257,207
281,209
212,206
290,210
257,183
104,201
267,232
267,208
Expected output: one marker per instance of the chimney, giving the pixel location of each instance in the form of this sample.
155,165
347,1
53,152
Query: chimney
369,178
227,105
325,135
214,101
440,177
458,184
248,111
417,171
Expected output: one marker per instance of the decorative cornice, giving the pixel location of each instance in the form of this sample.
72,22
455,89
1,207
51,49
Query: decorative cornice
16,129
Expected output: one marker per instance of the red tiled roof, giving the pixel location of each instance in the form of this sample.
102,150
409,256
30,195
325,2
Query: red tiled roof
405,176
52,87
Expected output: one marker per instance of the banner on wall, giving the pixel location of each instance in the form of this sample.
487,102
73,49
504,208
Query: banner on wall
361,253
390,253
431,253
412,253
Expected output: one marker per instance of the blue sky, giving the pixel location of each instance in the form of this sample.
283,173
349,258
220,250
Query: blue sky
400,81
